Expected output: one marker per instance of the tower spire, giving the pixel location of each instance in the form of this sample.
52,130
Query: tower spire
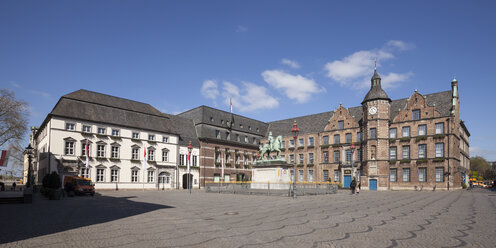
375,63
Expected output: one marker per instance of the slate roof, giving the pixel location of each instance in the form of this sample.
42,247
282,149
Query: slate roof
376,92
316,123
112,101
101,108
204,115
186,130
307,124
442,101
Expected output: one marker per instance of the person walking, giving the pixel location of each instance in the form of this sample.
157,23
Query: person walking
358,188
14,185
353,186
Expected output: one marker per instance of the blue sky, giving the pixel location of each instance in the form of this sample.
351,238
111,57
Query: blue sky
277,59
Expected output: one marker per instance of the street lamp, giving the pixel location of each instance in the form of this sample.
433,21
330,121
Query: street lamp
190,149
352,149
29,152
295,132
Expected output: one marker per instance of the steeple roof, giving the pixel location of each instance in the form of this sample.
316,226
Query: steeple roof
376,92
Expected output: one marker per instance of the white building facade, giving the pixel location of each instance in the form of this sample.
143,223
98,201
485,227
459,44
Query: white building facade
118,132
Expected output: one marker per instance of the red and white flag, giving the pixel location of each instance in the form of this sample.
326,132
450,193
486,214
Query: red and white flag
87,154
222,175
189,162
231,103
144,159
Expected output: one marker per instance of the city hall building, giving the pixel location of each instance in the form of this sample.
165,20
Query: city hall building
417,142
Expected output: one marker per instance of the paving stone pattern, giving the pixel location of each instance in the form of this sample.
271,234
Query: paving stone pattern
178,219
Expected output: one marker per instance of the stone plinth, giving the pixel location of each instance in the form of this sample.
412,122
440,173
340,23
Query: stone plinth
273,174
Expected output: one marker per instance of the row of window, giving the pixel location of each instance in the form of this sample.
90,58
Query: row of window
422,151
114,132
240,125
238,137
114,151
301,142
301,158
114,175
183,159
227,156
422,130
422,174
337,156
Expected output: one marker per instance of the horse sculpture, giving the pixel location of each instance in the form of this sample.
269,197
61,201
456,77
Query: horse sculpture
271,146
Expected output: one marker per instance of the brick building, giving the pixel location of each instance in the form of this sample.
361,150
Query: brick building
417,142
414,143
225,138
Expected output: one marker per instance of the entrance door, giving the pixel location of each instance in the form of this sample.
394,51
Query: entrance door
347,181
373,184
164,180
186,181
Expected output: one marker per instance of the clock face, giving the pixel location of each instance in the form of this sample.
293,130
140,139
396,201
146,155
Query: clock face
372,110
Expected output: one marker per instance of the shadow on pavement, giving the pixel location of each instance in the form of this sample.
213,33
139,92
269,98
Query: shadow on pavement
24,221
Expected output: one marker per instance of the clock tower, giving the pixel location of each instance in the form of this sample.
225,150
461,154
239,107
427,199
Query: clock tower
375,129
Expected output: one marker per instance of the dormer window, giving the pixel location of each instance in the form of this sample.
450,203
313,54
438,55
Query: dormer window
69,126
86,129
135,135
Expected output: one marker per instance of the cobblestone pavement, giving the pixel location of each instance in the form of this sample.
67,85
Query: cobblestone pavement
178,219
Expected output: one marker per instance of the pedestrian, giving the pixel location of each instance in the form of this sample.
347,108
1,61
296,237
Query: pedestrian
13,185
353,185
358,187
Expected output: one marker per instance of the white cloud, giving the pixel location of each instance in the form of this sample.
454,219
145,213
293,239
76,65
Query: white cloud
40,93
249,97
398,44
209,89
295,87
355,70
241,29
15,84
488,154
291,63
392,79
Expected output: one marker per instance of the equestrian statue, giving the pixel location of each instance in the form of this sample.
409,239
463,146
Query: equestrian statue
272,145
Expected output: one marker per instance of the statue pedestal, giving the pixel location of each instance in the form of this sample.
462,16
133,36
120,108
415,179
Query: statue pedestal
272,174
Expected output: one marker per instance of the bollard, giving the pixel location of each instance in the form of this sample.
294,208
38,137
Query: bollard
268,188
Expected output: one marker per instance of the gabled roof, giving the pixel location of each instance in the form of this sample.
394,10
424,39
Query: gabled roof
101,108
441,100
316,123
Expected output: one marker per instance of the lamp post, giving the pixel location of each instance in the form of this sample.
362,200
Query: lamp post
190,149
29,152
352,148
295,132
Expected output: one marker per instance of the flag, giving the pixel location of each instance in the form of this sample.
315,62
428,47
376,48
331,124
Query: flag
231,103
189,161
4,158
87,154
222,175
144,158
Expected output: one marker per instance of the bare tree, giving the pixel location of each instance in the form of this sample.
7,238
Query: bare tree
13,118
